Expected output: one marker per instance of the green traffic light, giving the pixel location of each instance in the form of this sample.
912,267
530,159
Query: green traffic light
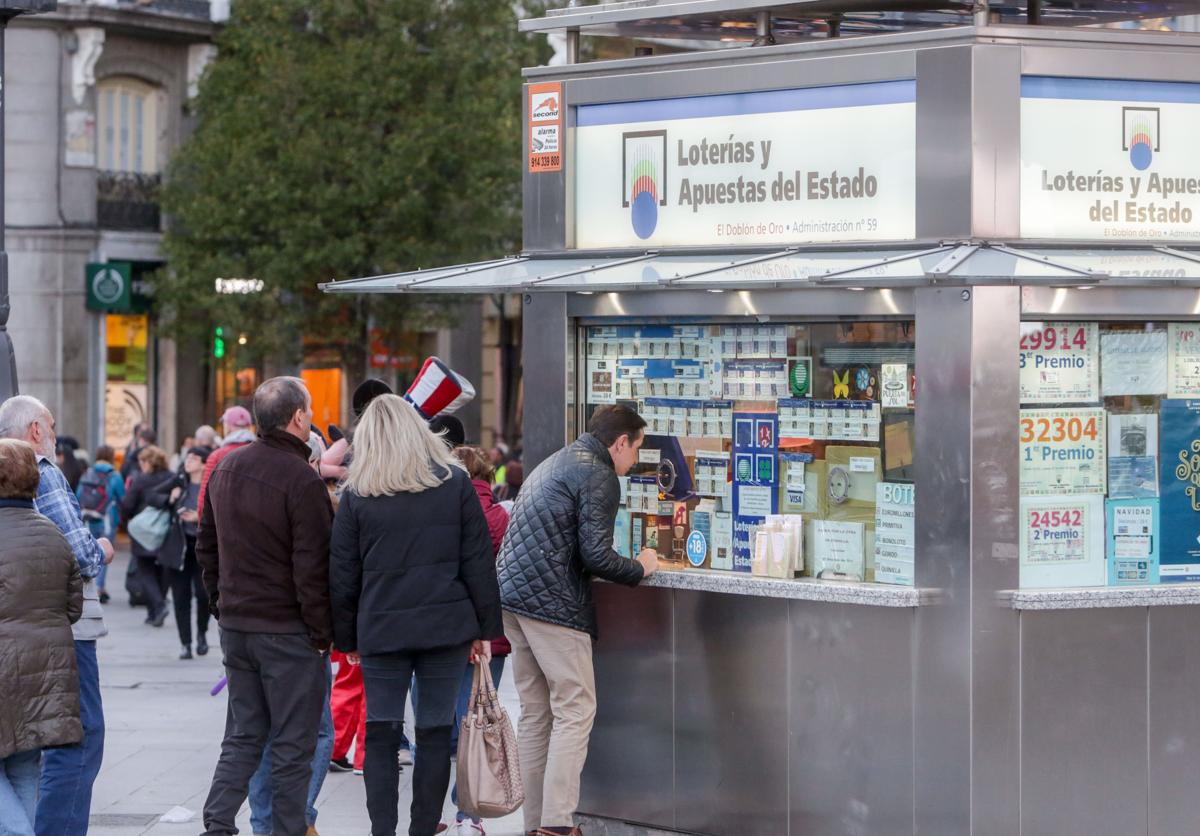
218,343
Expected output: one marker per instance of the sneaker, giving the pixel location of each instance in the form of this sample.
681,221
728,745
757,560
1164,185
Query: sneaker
104,599
406,757
186,653
160,617
466,827
358,771
201,645
341,764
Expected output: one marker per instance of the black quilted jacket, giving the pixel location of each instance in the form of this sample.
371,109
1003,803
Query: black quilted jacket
560,535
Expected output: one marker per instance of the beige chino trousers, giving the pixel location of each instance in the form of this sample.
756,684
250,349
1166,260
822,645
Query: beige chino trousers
552,669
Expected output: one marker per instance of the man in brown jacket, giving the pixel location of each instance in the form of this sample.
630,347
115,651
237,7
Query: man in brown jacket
263,545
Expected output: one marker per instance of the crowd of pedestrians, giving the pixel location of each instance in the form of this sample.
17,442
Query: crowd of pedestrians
393,548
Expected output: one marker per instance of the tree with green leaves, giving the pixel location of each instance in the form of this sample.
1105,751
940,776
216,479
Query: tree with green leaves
343,138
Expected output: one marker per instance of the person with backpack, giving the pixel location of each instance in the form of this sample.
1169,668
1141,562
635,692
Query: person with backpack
100,492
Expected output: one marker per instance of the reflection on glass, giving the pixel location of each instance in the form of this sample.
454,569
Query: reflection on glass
778,449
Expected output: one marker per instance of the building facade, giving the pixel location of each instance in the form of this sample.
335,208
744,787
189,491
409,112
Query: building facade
97,102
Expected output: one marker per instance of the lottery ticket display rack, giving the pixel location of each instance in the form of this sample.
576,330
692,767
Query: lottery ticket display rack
1025,665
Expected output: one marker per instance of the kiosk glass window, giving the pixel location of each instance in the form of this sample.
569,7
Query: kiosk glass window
1109,453
781,449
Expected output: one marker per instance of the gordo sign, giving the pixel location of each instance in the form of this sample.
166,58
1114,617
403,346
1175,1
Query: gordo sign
1109,160
775,167
1062,452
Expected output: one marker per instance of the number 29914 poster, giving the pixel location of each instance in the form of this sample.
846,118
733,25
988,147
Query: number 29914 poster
1060,362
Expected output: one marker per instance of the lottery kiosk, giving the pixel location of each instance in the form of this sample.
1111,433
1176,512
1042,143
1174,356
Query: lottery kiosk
914,320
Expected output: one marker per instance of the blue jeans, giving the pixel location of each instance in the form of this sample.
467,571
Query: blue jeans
496,666
68,772
260,782
18,792
386,679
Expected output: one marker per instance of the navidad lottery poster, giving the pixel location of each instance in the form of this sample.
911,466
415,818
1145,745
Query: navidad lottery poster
1179,490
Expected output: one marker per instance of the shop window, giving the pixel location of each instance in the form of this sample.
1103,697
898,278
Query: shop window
782,450
127,123
1109,453
126,389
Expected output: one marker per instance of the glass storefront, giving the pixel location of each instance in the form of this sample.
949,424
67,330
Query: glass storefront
782,449
126,391
1109,467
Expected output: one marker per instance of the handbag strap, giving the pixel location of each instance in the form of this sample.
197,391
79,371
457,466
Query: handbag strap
474,702
488,689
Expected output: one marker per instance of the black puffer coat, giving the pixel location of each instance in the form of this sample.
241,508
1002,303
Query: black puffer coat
560,534
413,571
41,596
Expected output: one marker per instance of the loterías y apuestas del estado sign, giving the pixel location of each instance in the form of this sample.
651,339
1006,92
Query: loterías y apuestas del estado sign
1109,160
782,167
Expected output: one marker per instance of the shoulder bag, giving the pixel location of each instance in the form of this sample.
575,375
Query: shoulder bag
489,774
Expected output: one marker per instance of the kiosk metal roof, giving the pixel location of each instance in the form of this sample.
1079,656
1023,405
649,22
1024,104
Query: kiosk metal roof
963,263
734,21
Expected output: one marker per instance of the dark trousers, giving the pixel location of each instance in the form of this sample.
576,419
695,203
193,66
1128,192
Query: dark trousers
150,582
276,691
185,585
386,678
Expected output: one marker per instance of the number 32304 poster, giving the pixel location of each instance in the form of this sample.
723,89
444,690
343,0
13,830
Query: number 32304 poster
1063,452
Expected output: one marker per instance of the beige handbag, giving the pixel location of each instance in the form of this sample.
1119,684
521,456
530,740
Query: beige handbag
489,774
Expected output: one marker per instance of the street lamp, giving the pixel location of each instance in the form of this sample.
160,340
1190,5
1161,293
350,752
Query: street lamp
8,360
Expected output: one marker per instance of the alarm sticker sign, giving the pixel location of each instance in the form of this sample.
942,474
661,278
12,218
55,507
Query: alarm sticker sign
545,127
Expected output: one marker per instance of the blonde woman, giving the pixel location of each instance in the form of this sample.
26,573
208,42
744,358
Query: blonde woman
413,586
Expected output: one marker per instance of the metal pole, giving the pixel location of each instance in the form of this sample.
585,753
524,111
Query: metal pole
572,46
1033,12
8,358
763,35
982,13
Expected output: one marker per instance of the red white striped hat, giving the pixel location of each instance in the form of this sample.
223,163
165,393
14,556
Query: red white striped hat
439,390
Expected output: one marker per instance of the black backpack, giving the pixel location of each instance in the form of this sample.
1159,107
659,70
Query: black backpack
93,494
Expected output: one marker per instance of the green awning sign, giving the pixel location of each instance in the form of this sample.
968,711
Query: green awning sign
109,286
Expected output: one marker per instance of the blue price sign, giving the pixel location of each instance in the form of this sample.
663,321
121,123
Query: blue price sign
697,548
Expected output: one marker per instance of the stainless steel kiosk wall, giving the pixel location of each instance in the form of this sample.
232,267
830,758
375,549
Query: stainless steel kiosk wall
726,713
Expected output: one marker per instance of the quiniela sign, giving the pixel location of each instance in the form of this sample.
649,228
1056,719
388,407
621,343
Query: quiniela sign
775,167
1109,160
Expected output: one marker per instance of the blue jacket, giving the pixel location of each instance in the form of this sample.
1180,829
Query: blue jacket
116,492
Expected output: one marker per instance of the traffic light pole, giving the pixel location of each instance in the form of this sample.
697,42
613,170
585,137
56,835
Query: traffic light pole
8,359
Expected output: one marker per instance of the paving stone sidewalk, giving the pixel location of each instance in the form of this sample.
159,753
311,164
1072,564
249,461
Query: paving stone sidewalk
164,735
